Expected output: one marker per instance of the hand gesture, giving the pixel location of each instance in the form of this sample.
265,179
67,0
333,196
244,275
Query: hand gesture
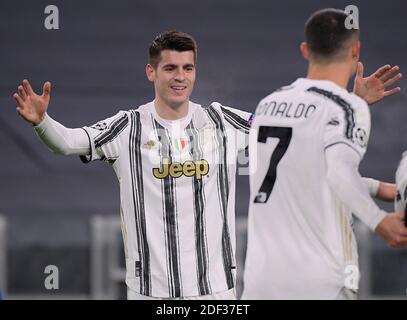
30,106
373,88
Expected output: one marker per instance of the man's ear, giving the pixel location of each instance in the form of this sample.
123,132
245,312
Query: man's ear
356,50
150,72
304,50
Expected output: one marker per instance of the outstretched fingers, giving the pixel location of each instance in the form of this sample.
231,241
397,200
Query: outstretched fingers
21,93
359,70
389,73
46,90
19,100
392,81
27,87
381,71
392,92
20,103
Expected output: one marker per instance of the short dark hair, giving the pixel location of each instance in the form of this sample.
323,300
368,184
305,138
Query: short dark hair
327,35
171,40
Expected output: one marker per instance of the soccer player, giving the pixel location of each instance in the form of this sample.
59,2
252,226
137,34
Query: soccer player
175,161
307,140
400,203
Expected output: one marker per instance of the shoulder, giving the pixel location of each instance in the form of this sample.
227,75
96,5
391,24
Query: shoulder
230,113
214,106
358,102
141,113
341,100
288,90
361,111
224,110
144,108
213,110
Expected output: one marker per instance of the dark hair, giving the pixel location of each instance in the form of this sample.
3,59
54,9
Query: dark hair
171,40
327,35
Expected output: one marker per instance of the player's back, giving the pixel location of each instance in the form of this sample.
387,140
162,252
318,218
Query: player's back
300,239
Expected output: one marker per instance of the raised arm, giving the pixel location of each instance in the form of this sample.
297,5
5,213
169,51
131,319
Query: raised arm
59,139
344,179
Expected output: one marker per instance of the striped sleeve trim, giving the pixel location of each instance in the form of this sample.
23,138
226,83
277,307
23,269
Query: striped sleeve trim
235,120
346,107
87,158
113,132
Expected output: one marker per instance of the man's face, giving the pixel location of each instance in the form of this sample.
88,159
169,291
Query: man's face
174,77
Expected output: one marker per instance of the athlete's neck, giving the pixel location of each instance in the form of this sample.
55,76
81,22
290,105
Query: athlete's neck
335,72
168,112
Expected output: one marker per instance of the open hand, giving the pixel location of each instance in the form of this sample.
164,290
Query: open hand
374,87
30,106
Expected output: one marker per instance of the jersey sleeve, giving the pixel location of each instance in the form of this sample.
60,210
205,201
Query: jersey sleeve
401,184
238,124
348,124
103,138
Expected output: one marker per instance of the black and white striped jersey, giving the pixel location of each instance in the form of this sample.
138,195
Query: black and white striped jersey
177,193
400,203
300,239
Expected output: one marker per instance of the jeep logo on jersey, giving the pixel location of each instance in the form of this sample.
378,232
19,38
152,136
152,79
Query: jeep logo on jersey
188,168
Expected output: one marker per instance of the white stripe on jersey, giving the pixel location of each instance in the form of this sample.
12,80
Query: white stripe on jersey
177,185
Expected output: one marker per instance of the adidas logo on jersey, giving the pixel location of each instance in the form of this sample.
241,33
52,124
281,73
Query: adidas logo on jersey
188,168
149,145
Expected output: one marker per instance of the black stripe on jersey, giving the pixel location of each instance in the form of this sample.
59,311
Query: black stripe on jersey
346,107
158,134
170,217
223,189
235,120
112,132
167,260
201,242
87,158
136,170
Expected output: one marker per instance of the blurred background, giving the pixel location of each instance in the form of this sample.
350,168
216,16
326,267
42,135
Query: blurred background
57,211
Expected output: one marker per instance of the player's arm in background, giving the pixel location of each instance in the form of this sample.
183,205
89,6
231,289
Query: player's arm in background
238,122
400,203
384,191
59,139
345,180
372,89
344,149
